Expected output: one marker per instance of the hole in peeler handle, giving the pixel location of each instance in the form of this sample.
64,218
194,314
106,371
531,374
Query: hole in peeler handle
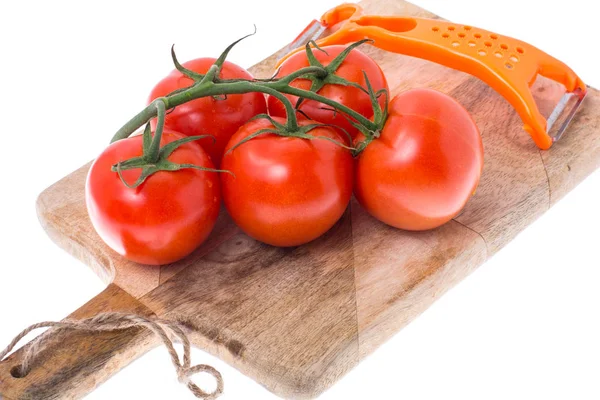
341,14
392,24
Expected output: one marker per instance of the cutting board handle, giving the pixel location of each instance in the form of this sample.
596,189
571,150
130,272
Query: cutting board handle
80,361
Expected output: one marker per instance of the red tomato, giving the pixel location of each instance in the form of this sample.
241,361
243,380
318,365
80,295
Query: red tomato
208,116
166,217
351,69
286,191
426,164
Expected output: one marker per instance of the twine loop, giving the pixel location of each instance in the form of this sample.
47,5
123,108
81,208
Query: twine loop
167,331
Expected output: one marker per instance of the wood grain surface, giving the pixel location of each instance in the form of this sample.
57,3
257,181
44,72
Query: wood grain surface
297,319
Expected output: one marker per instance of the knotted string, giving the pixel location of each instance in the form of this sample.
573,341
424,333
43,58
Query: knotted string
119,321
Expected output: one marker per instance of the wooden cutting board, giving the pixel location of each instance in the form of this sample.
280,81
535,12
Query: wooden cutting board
298,319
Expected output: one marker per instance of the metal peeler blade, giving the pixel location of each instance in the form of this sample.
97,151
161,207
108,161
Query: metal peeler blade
559,119
313,31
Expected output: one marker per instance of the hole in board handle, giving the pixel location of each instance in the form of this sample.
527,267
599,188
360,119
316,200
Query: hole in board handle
16,372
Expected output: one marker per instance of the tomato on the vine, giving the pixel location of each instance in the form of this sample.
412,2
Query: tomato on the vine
351,69
426,164
167,216
286,191
219,117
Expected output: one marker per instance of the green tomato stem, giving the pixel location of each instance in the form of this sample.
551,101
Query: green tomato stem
136,122
318,71
216,87
340,107
154,150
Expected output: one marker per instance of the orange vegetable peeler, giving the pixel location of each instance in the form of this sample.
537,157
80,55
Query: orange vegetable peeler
507,65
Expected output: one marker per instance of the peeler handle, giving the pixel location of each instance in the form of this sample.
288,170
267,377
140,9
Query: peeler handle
508,65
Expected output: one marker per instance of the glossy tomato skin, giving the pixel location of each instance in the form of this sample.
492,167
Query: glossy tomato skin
426,164
208,116
286,191
351,69
166,217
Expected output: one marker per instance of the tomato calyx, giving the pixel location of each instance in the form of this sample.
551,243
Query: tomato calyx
328,77
213,73
301,132
155,158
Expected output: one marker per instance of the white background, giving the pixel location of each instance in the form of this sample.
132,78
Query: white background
524,326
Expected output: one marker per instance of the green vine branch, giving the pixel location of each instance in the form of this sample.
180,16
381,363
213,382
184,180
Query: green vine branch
154,157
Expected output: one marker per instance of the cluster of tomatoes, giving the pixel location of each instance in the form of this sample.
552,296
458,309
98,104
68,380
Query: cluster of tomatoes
416,173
